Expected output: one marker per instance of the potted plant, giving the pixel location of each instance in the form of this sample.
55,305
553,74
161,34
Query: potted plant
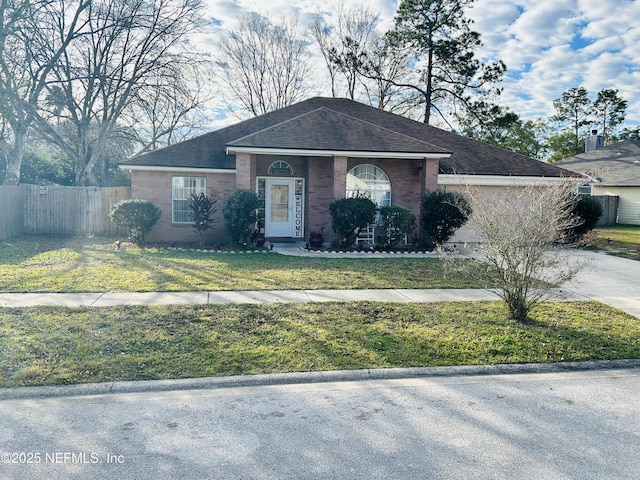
316,239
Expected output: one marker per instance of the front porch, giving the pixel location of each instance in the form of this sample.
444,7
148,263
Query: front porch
296,190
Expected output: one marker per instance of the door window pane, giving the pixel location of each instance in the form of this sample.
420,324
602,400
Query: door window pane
280,203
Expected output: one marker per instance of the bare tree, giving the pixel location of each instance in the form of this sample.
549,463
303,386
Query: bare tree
123,49
519,230
387,67
345,44
171,108
34,35
265,64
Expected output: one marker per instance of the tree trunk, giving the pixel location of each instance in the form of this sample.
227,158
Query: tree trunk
429,91
15,156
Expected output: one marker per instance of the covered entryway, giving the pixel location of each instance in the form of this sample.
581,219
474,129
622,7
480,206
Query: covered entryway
284,207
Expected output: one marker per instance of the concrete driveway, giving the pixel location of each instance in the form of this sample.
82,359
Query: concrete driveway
571,425
611,280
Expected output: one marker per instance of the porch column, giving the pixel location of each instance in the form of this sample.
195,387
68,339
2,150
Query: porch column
430,167
339,177
428,183
245,170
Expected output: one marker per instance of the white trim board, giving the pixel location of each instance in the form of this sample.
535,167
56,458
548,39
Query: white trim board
151,168
335,153
497,180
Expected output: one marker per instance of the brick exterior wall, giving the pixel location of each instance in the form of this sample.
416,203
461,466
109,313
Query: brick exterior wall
325,180
319,195
340,169
156,187
245,168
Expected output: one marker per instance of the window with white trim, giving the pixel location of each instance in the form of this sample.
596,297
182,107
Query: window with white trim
370,181
181,187
280,167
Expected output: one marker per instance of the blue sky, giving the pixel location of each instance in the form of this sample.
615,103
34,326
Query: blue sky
549,46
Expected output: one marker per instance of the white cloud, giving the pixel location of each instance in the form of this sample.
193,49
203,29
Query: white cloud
549,46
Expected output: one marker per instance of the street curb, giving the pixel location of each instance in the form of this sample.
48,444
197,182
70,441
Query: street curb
308,377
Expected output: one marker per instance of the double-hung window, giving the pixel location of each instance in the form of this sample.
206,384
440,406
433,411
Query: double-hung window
181,187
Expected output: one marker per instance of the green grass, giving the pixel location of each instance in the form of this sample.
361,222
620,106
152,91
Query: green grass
55,345
49,264
620,240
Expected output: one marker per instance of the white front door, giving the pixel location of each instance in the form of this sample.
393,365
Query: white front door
279,207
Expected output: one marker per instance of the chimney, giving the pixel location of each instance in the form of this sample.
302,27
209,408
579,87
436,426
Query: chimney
594,141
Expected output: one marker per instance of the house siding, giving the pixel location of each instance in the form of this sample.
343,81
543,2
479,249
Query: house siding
465,234
629,202
156,187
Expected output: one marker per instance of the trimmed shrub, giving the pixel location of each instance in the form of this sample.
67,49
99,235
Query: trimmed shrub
349,216
396,222
587,211
239,211
443,212
135,218
202,208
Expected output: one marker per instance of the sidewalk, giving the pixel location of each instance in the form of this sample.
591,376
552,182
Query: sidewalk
109,299
611,280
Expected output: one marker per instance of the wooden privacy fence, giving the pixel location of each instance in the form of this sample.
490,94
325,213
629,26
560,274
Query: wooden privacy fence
609,209
52,210
11,212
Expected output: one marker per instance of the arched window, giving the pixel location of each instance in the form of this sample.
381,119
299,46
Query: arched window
280,168
371,181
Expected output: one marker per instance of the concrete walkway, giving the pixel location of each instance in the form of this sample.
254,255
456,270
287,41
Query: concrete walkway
108,299
611,280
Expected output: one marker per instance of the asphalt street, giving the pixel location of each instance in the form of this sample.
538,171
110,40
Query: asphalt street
569,425
502,422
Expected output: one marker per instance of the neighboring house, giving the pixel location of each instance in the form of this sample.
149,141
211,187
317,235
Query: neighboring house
302,157
613,171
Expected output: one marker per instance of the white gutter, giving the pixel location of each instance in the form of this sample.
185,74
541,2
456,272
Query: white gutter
497,180
615,184
151,168
335,153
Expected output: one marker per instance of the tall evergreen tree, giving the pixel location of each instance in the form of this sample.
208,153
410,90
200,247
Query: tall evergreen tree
573,108
440,35
609,110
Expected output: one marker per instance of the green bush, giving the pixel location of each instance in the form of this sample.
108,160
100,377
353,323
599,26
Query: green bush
239,211
396,222
202,208
349,216
135,218
587,211
443,212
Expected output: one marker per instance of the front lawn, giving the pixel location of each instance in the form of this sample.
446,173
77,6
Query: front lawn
57,264
55,345
620,240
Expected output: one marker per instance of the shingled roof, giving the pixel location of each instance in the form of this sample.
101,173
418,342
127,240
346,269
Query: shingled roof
338,124
325,129
617,164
